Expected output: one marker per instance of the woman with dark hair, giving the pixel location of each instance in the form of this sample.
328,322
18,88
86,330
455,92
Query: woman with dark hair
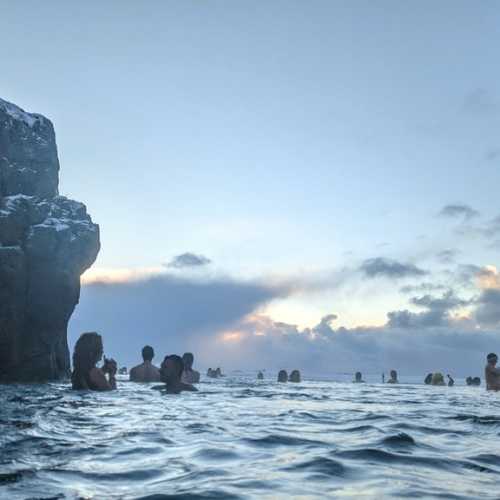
171,373
86,376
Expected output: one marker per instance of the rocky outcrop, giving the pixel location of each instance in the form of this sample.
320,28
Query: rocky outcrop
46,242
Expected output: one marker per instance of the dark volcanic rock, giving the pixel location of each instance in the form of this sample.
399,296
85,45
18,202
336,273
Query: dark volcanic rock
46,242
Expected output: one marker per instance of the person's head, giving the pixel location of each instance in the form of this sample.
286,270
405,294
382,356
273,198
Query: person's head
476,381
218,372
88,352
492,358
282,376
394,374
295,376
188,360
148,353
171,369
428,379
468,380
437,379
358,377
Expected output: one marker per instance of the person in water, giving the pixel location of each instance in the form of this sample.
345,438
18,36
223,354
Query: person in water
260,376
358,378
86,376
189,376
171,373
451,382
294,376
145,372
437,379
428,379
492,373
282,376
394,377
476,381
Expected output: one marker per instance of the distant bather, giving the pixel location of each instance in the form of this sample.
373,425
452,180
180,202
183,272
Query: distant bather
146,372
282,376
260,376
86,376
294,376
428,379
358,378
437,379
451,382
189,376
394,377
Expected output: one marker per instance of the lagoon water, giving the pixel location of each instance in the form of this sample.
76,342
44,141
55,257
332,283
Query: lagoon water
243,438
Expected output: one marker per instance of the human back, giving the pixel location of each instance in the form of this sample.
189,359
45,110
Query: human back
146,371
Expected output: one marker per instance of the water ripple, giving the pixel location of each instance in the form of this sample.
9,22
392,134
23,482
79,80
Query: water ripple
239,439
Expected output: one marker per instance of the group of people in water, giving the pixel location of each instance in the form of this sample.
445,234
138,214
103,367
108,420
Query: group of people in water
177,373
284,377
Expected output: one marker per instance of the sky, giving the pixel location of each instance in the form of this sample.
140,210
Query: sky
262,171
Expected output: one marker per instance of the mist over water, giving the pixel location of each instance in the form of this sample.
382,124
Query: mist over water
241,438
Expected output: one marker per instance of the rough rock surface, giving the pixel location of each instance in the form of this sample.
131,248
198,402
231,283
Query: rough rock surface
46,242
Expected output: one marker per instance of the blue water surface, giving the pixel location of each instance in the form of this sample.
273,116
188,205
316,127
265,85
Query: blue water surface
242,438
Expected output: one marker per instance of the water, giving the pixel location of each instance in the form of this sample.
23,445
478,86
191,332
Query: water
239,438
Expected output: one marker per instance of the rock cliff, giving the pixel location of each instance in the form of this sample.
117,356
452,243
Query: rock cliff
46,242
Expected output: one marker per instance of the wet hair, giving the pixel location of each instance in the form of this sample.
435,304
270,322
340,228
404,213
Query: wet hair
282,376
491,356
295,376
88,351
188,359
177,361
148,353
428,379
394,374
468,381
476,381
358,376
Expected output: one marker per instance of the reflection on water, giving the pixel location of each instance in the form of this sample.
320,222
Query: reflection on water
243,438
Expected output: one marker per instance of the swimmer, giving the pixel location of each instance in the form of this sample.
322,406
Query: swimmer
171,372
394,377
295,376
492,373
146,372
260,376
451,382
86,376
189,376
437,379
358,378
282,376
428,379
468,380
476,381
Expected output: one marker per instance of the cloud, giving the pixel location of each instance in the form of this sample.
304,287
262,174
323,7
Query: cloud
188,259
422,288
458,210
447,256
437,311
488,310
388,268
259,342
165,311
